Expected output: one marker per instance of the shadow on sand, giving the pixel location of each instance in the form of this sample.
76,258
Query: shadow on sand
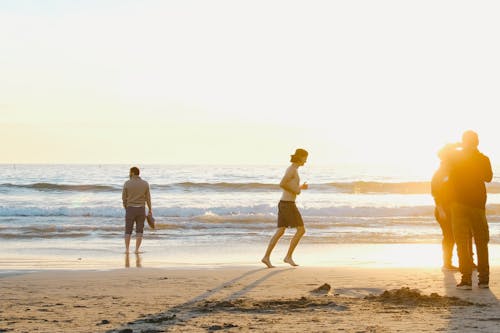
191,309
484,316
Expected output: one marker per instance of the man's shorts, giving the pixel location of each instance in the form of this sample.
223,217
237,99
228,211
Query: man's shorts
289,215
137,215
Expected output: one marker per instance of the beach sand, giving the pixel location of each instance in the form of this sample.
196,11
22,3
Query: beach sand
241,299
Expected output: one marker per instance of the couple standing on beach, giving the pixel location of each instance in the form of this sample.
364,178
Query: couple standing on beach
459,191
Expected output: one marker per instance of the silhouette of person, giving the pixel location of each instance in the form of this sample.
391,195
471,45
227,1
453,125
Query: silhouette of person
135,195
440,189
288,213
469,170
441,192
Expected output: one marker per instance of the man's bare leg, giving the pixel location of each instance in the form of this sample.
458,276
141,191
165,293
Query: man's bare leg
138,241
127,243
272,243
293,244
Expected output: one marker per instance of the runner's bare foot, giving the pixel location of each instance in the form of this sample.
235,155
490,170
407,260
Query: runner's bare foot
267,262
290,261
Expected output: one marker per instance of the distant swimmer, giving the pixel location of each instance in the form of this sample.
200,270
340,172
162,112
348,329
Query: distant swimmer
288,213
135,195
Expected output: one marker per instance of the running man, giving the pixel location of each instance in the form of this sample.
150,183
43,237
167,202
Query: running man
288,213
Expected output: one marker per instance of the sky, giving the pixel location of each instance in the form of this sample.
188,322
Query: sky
246,82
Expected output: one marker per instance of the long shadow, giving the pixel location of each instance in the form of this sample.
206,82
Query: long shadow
168,318
483,316
254,284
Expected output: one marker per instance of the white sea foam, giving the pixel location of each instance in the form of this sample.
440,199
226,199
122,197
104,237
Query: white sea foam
195,203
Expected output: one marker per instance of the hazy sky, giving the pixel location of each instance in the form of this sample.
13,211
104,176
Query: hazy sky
246,81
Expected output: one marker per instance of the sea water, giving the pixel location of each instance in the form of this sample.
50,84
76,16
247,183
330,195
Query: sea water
72,215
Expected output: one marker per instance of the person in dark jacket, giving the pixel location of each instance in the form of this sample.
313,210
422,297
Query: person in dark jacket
469,170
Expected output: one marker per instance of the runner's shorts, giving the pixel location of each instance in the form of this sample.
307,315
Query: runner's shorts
289,215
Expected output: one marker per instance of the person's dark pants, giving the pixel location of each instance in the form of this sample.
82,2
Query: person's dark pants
135,215
464,220
443,217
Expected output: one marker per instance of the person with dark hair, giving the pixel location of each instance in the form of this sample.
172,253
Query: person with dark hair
469,170
441,192
135,195
440,189
288,213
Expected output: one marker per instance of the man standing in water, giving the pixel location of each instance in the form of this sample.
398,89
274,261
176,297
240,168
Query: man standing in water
288,213
469,170
134,195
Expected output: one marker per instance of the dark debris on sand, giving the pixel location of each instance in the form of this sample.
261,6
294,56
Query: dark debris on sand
325,288
242,305
221,327
413,297
156,319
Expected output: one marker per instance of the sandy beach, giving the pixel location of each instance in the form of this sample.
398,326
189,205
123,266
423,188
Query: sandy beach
241,299
354,138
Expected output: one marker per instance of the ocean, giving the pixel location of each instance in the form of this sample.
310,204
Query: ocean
69,215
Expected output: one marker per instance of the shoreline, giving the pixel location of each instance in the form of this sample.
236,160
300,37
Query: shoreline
306,255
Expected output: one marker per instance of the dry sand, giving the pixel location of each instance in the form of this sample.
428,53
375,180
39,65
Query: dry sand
302,299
